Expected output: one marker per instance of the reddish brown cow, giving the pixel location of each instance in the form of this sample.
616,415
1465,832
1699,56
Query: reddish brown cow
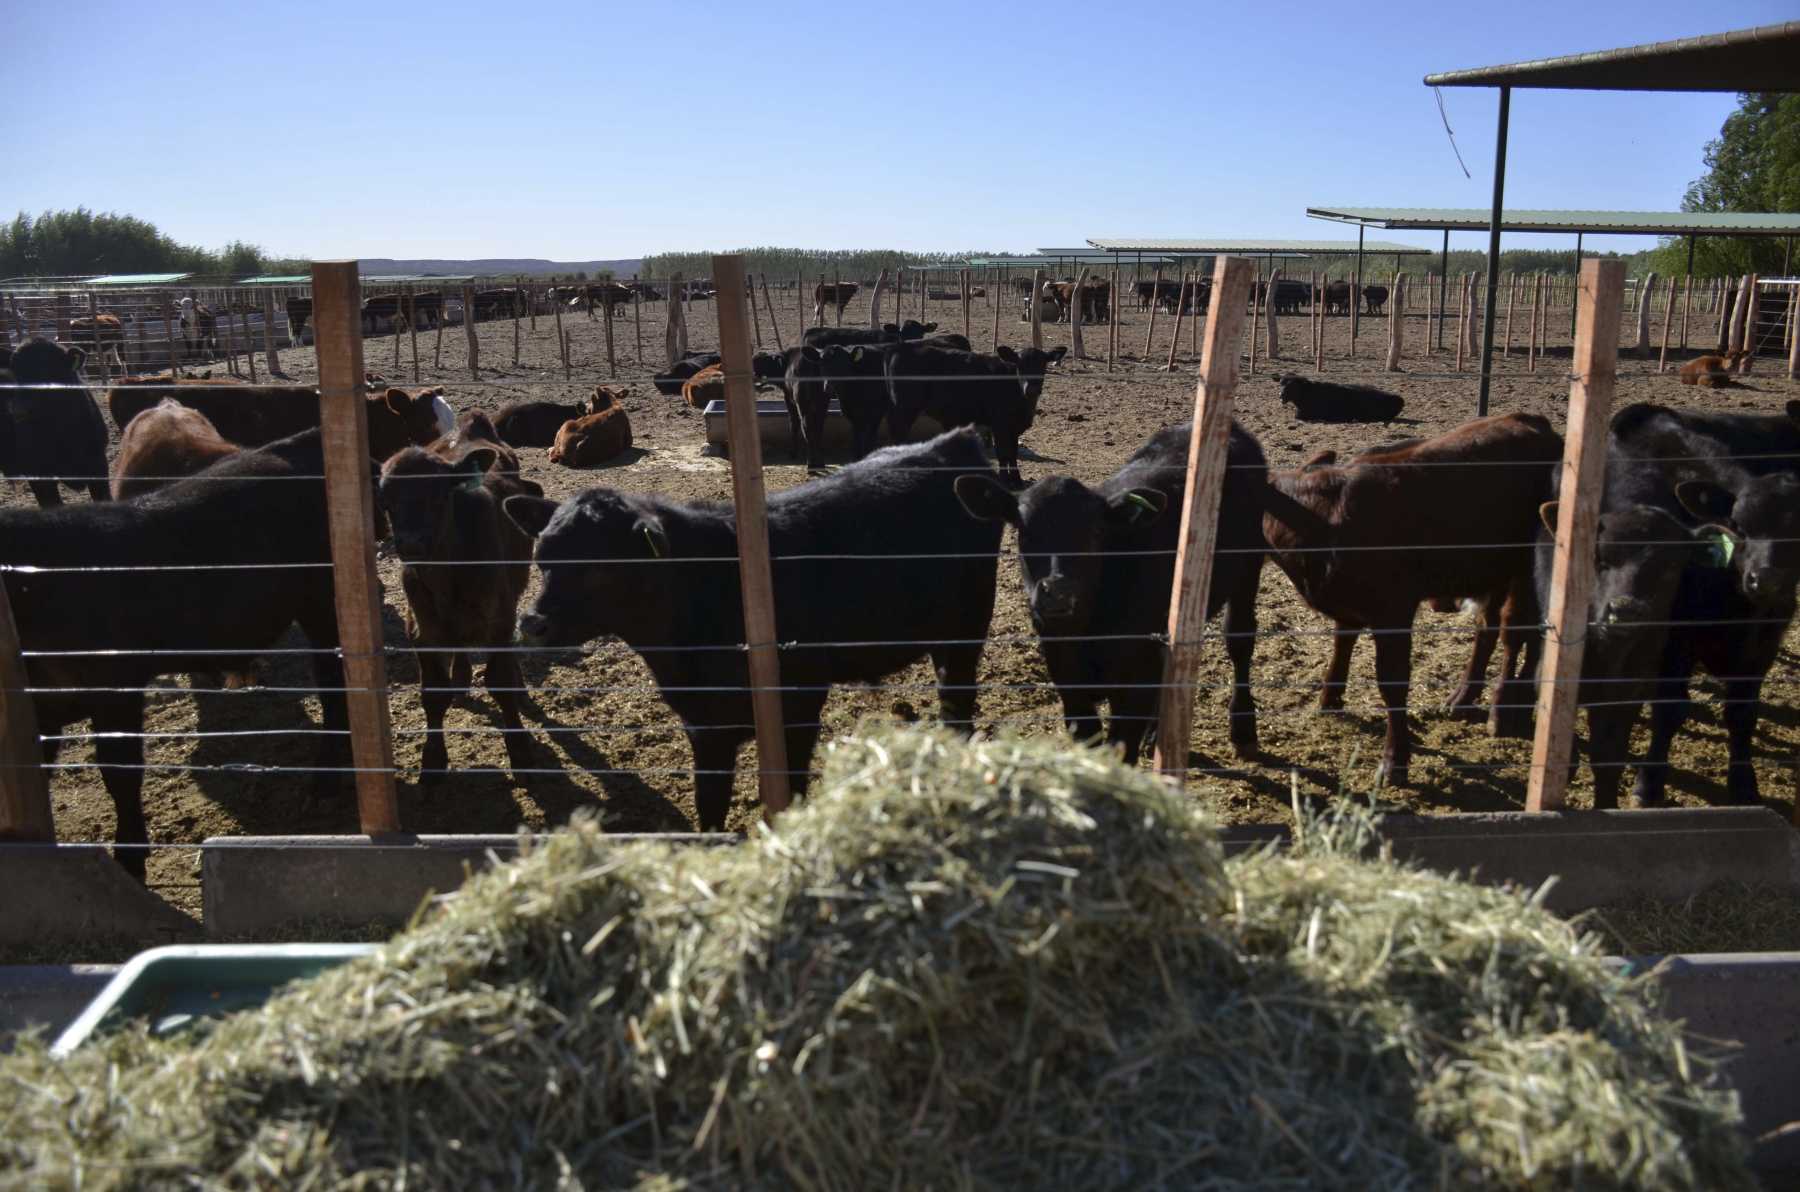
103,336
163,444
836,294
595,437
1439,519
706,385
1712,372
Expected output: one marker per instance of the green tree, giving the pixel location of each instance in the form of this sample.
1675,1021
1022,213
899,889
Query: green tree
78,242
1753,165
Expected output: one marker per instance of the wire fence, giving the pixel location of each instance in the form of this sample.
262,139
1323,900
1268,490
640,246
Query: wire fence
168,333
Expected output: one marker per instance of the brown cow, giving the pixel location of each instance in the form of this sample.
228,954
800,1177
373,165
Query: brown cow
706,385
596,437
443,502
163,444
837,293
102,336
1712,372
1453,517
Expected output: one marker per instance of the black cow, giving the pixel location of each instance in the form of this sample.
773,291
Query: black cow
899,502
960,388
669,383
299,310
1099,565
1327,401
50,425
1374,299
856,378
887,333
1337,297
534,423
1736,477
253,511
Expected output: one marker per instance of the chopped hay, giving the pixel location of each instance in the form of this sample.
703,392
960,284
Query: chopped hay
958,965
1727,917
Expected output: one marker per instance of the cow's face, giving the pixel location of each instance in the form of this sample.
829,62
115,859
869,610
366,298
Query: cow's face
1761,521
1032,364
593,552
418,492
41,362
1063,528
1639,556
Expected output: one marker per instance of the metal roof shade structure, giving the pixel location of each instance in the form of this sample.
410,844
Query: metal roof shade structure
305,279
136,279
1765,58
1253,248
1623,223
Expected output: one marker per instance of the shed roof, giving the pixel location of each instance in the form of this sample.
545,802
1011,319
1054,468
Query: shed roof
1640,223
136,279
1213,248
1766,58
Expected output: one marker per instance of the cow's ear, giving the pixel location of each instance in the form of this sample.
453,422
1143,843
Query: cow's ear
810,352
530,514
890,328
76,356
930,327
649,531
397,400
1547,514
1007,354
1137,507
479,460
856,354
1056,355
1705,500
1323,459
987,499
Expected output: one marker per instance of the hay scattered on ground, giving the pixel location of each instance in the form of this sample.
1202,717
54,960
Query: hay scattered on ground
1728,917
1001,963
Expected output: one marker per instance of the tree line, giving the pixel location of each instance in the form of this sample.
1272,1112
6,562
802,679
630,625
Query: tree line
81,242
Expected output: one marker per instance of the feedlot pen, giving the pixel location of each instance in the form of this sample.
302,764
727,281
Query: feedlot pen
232,762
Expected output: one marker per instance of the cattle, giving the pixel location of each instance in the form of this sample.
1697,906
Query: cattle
1167,293
429,305
1327,401
856,378
646,292
838,294
199,328
1048,309
1442,519
1099,564
444,503
252,415
602,434
706,385
611,296
1095,296
1640,553
1290,296
162,445
847,569
1735,480
534,423
102,336
960,388
1712,372
494,304
1374,299
823,337
379,311
49,424
95,638
299,310
670,383
1337,297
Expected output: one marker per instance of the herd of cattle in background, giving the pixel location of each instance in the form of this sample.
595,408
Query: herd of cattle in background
1698,556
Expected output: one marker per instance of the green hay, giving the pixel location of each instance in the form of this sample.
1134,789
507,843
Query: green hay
1728,917
958,965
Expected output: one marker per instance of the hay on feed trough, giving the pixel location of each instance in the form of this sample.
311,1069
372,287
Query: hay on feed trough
958,965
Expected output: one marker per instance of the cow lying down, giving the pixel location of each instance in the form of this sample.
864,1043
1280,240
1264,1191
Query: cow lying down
1326,401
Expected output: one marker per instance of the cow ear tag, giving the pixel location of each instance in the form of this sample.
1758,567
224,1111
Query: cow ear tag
650,540
1723,546
1143,506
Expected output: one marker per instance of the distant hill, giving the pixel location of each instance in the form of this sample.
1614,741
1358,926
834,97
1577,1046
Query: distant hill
497,266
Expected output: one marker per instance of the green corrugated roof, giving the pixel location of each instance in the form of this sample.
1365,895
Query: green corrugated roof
278,279
1644,223
1254,248
1766,58
136,279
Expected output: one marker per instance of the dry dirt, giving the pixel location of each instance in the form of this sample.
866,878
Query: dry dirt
619,752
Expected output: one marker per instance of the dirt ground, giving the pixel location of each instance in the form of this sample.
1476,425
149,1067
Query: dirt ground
619,752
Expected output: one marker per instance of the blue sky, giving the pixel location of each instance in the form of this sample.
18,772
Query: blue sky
596,130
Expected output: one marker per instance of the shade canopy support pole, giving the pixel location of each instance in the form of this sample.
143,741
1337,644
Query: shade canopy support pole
1493,277
1443,286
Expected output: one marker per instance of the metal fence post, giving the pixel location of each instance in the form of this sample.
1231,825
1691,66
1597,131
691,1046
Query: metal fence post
24,783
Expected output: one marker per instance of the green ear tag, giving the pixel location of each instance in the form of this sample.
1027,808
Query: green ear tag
651,540
1143,503
1723,547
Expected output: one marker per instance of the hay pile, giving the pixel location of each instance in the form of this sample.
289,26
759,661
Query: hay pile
1005,963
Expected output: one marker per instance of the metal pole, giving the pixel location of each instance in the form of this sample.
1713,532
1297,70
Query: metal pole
1574,285
1443,286
1356,287
1493,277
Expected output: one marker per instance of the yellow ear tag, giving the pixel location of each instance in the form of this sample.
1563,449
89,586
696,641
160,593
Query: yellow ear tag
1723,547
1143,503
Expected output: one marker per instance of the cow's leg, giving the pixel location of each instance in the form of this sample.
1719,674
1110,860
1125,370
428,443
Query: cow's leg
1669,705
955,666
1743,702
1609,749
1509,714
435,696
121,761
1006,452
1074,680
802,733
1240,647
1337,670
715,760
47,494
1393,676
504,681
1480,653
814,411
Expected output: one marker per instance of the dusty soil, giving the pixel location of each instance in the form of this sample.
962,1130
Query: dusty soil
619,752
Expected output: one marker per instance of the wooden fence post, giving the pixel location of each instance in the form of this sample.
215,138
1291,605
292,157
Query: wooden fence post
774,327
468,297
1743,321
1662,361
1254,280
517,290
227,317
1727,308
1181,304
1595,364
675,338
1643,315
437,347
1462,315
962,279
1512,300
271,356
754,571
612,365
168,315
1396,323
350,500
881,280
412,326
1200,510
24,783
1274,353
1037,321
1794,375
999,301
399,298
755,315
1112,317
1155,299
